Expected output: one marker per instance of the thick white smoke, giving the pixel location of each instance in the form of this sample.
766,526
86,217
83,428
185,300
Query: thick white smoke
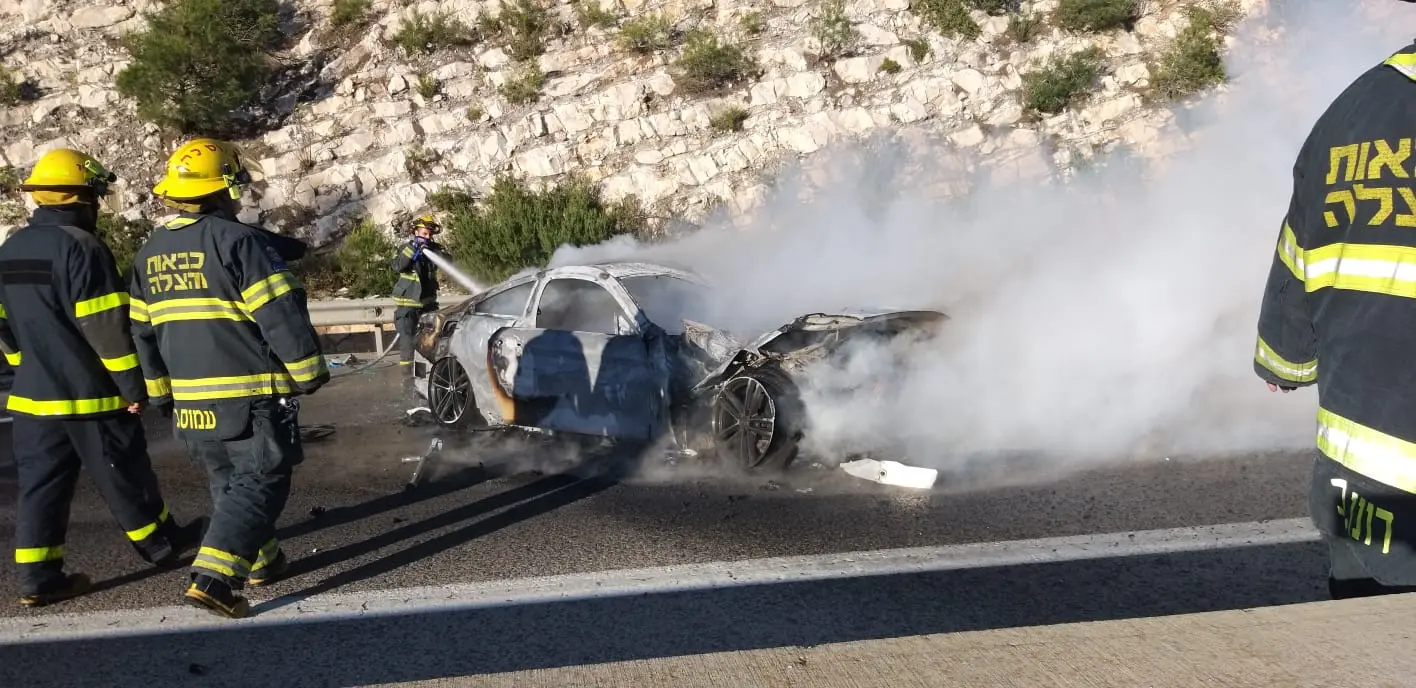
1108,318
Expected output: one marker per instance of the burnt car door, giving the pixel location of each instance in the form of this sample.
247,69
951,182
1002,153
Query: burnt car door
503,307
584,365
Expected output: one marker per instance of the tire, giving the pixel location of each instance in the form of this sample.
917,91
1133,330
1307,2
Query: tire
450,393
768,401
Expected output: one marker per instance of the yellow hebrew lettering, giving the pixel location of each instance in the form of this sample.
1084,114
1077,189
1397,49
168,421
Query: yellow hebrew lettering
1336,155
1392,160
196,419
1380,194
1361,170
1340,484
1348,202
1407,219
1359,516
1387,518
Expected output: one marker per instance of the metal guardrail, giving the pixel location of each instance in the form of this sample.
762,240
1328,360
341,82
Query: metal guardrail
335,312
370,312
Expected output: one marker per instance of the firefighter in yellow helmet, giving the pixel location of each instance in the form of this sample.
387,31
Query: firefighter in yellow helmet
226,344
416,291
78,392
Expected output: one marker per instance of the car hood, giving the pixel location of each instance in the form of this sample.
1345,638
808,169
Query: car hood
725,349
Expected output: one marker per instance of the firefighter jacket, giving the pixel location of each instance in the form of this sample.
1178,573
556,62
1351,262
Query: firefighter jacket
1339,307
64,320
219,317
417,285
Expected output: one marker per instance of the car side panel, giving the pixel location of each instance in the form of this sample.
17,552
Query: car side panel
469,343
581,382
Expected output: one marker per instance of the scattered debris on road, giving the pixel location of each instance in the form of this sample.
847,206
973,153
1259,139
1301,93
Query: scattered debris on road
340,360
315,433
892,473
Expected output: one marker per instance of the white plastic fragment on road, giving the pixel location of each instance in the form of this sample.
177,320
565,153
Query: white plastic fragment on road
892,473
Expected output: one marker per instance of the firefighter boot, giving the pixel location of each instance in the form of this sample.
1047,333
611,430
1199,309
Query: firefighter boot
183,540
215,596
265,574
72,585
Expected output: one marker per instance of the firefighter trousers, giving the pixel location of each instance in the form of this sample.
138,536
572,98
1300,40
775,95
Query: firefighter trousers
405,323
1367,528
49,454
249,475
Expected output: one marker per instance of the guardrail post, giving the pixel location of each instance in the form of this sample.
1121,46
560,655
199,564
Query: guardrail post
378,338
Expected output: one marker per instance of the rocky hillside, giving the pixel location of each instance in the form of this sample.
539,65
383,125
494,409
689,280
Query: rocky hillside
680,103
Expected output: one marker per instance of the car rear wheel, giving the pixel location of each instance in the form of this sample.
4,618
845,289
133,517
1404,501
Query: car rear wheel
449,392
756,417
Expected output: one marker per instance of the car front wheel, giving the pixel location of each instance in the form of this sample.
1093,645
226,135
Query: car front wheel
756,420
449,392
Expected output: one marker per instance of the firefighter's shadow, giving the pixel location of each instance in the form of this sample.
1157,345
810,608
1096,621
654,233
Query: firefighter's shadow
514,506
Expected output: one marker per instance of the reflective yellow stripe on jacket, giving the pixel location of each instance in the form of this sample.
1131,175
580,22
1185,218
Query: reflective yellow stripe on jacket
63,407
1372,268
231,387
1375,454
1282,367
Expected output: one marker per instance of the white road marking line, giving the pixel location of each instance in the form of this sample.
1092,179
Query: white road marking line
686,577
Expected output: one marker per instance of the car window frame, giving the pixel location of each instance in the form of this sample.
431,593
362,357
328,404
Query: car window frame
526,283
606,287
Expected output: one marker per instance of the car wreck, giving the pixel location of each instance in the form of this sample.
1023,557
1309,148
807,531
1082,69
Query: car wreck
620,350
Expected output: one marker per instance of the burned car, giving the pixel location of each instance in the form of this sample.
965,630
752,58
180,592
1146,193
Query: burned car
618,350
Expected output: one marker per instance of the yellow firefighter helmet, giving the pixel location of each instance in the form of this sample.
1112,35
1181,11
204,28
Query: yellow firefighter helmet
62,175
426,222
202,167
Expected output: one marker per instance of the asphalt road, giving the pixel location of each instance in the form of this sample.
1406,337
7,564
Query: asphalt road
351,525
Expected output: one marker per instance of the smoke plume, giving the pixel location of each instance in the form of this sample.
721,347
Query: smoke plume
1108,318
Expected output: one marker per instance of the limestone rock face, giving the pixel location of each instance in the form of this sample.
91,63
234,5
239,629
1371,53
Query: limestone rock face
370,131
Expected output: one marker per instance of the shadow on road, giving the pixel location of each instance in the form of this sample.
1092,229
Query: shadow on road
452,643
527,501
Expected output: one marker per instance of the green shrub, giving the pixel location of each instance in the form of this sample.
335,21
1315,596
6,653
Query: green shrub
949,17
994,7
427,86
9,88
364,261
1096,15
833,31
919,48
645,35
350,14
198,60
728,119
521,28
1022,29
423,34
752,23
1193,62
708,65
517,227
890,66
418,162
1063,82
525,87
124,237
9,182
591,14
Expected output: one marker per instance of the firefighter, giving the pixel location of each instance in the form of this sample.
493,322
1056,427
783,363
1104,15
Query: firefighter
416,291
226,345
1341,292
78,392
